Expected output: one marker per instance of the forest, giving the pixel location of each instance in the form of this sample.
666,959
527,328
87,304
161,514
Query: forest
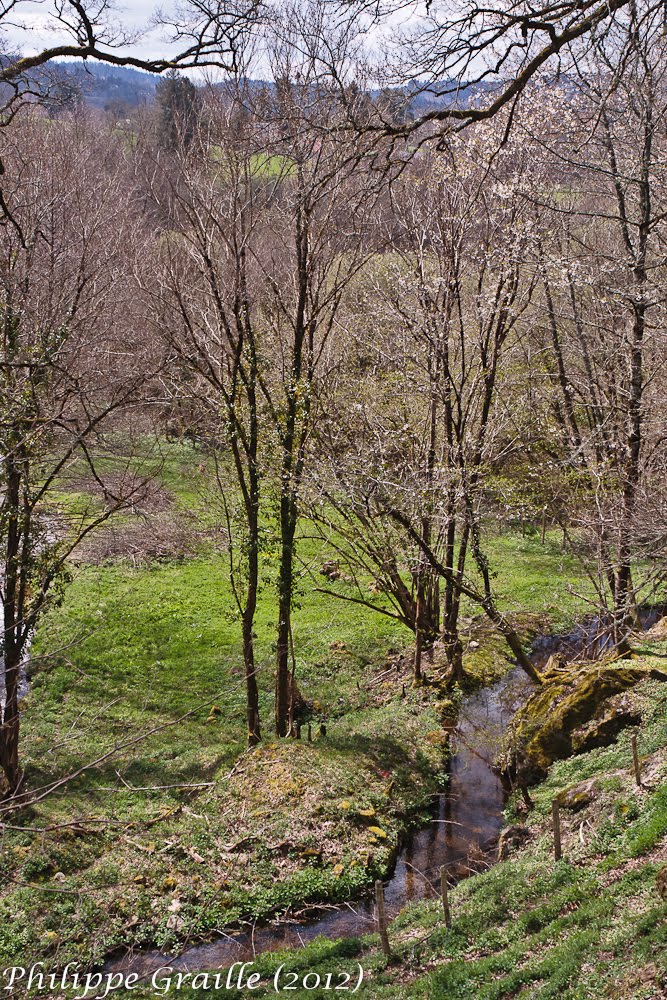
333,502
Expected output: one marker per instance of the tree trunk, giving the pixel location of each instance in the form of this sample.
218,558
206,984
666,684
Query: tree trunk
9,728
252,694
454,653
285,583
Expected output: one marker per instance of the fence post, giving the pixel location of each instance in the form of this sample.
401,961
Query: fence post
445,896
382,917
555,812
635,761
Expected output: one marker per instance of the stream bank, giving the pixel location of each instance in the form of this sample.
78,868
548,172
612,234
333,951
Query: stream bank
461,835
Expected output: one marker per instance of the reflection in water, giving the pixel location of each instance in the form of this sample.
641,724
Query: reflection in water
462,833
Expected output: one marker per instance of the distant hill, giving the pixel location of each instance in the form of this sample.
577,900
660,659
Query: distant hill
107,87
114,88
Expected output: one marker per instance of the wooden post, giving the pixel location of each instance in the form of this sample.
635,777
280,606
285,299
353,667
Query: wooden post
298,730
382,917
635,761
310,733
445,896
555,812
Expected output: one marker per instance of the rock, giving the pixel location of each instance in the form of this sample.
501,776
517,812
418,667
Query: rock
577,796
542,731
312,854
554,665
618,713
330,569
473,644
658,631
511,839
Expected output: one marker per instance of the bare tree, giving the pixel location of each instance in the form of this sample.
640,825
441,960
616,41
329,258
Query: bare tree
68,363
603,275
206,33
472,60
207,294
425,434
321,236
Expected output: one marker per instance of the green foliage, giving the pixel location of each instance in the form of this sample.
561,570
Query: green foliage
177,102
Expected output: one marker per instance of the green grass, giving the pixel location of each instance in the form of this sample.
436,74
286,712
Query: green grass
148,652
141,648
589,927
540,578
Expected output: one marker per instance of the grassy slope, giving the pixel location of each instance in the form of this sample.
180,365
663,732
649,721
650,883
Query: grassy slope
589,927
139,648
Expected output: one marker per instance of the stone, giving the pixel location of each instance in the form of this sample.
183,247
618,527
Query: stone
616,714
511,839
312,854
577,796
330,569
658,631
542,731
555,664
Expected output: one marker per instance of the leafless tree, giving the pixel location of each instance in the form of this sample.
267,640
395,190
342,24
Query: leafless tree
206,33
207,296
603,273
475,59
69,362
410,469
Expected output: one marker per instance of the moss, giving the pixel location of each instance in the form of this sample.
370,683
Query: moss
543,730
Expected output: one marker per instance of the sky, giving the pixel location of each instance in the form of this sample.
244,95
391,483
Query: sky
32,28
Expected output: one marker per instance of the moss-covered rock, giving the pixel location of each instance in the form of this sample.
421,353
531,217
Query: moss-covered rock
616,714
511,839
544,729
577,796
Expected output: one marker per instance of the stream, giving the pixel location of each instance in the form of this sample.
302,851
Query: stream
462,833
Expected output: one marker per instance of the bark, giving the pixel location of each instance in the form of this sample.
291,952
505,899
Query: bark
12,641
285,585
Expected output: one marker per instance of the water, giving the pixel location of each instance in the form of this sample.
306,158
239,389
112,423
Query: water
462,834
23,675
